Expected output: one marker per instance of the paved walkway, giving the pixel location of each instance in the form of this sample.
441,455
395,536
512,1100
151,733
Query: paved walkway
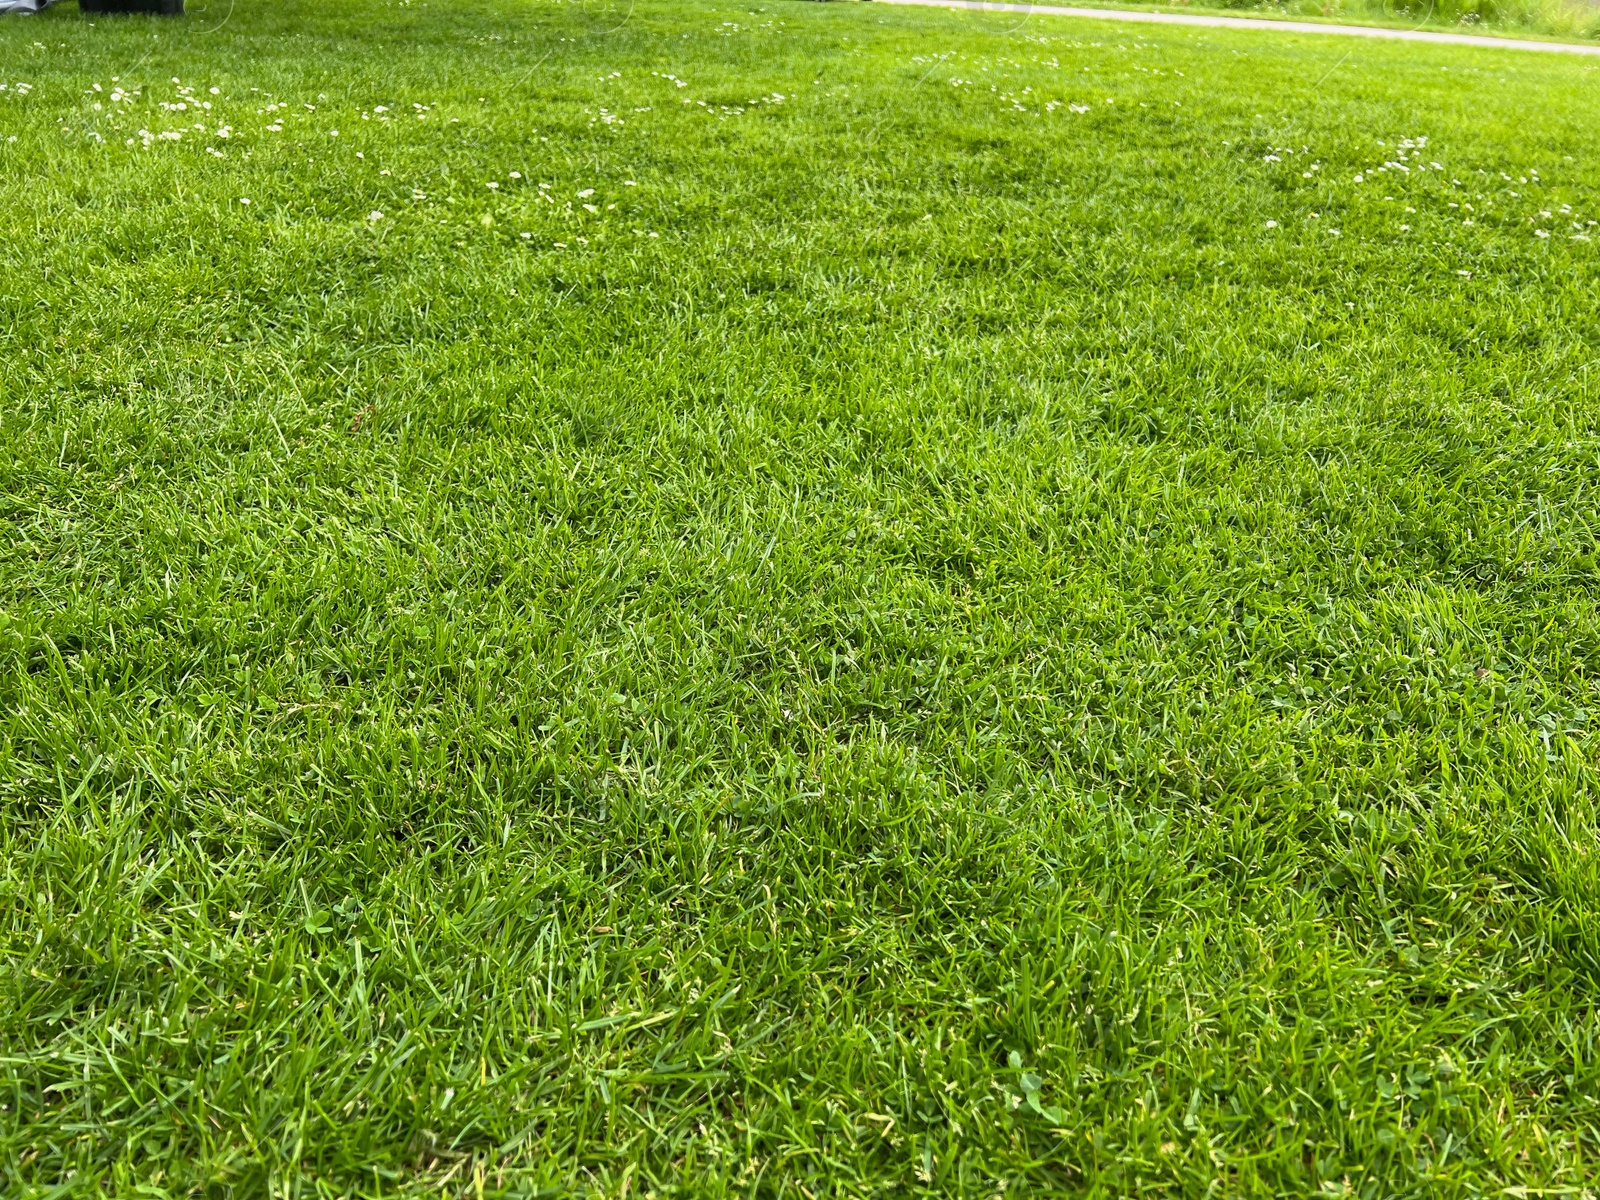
1366,31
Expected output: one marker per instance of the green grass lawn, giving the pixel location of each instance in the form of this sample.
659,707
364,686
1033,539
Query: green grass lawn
807,601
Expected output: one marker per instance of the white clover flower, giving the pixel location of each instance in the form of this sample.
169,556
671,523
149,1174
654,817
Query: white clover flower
374,215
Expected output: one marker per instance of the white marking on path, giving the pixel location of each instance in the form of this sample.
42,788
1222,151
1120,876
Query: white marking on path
1366,31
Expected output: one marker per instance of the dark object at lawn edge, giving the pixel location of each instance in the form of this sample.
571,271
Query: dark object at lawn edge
164,8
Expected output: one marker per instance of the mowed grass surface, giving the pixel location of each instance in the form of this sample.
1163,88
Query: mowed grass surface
924,646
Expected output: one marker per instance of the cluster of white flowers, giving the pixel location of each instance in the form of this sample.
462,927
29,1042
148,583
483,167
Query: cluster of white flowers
1411,164
1018,102
185,99
729,28
735,110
